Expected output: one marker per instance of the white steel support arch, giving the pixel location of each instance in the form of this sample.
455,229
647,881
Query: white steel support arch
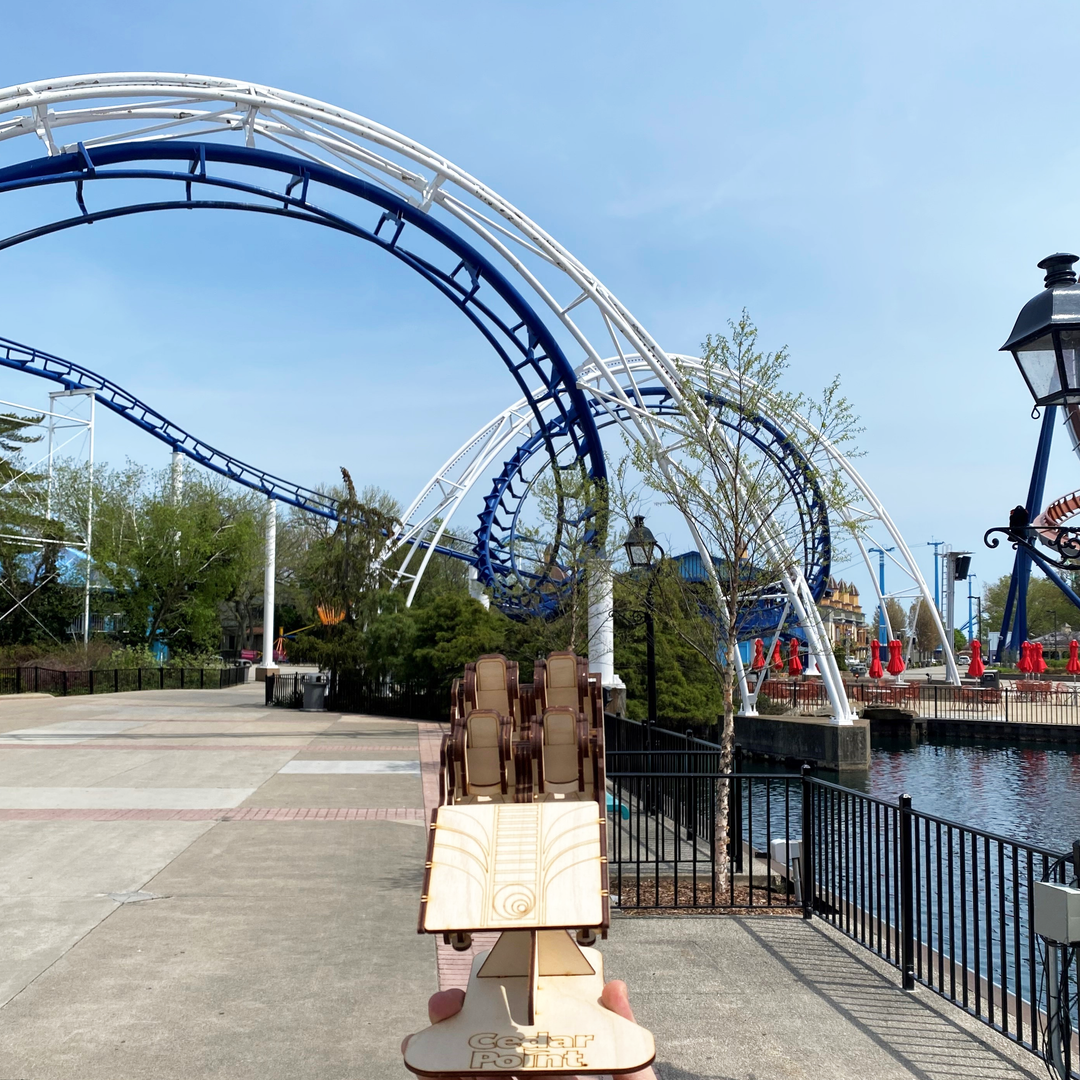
481,456
76,114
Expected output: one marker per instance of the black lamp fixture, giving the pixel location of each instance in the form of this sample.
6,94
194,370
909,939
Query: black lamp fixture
1045,342
640,545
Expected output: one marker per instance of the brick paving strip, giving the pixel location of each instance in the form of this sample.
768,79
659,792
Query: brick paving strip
453,967
241,813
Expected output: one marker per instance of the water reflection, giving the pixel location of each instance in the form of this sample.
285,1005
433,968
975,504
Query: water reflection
1027,793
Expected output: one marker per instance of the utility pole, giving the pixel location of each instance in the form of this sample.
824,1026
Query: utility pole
935,544
883,633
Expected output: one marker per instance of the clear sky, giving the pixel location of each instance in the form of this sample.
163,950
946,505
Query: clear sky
875,183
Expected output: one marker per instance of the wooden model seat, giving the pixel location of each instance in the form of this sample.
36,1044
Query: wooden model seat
491,683
488,763
563,757
562,679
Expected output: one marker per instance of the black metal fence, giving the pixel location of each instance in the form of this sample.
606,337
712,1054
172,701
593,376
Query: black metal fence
352,692
666,809
1032,701
950,905
284,690
24,680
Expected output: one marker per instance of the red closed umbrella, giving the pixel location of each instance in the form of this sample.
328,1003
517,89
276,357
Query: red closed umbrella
1040,662
896,658
777,658
794,665
875,671
1073,666
759,655
976,667
1025,663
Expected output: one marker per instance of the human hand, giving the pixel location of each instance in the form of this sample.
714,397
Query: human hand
447,1003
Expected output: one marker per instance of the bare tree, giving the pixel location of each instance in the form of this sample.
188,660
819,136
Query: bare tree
708,463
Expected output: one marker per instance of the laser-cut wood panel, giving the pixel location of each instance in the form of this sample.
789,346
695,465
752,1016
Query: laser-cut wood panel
497,866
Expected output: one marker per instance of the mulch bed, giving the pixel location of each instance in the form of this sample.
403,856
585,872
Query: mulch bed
657,897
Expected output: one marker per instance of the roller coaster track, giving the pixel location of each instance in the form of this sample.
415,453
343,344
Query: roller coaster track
74,376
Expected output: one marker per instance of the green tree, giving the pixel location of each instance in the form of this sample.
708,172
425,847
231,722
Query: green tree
335,573
897,619
166,559
924,628
1047,607
735,501
687,691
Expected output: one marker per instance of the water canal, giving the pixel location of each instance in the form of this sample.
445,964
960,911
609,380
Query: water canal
1028,793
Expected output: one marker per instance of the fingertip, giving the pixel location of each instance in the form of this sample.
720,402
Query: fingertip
616,998
444,1004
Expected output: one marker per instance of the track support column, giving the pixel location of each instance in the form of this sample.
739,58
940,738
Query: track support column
268,664
602,632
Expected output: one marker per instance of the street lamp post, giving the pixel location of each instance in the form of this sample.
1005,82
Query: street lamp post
971,614
641,547
1045,343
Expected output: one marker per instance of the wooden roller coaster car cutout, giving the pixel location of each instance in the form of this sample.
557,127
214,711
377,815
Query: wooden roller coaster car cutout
518,844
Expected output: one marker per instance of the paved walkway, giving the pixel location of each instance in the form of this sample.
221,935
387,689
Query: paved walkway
194,886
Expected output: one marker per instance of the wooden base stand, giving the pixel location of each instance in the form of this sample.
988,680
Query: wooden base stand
533,1005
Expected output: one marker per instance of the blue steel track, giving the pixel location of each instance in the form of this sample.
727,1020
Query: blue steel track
469,280
74,376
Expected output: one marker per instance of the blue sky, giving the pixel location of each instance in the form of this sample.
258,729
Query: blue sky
873,182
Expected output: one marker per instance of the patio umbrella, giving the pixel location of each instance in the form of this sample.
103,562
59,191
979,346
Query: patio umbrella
777,658
896,658
1025,664
759,655
1040,662
794,665
1073,666
875,671
976,667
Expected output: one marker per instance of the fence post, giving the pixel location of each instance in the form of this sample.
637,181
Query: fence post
806,860
181,677
907,892
116,680
18,679
64,692
1005,695
140,677
269,688
91,674
161,673
37,680
202,678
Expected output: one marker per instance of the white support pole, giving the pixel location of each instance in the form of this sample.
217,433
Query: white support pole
177,477
49,475
602,621
89,526
268,584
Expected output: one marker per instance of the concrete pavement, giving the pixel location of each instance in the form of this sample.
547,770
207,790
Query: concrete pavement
146,932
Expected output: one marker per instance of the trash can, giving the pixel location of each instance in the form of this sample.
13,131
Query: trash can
990,680
314,693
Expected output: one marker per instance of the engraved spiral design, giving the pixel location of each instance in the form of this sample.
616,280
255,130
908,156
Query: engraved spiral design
514,901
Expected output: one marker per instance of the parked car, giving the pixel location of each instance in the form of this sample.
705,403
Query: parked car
857,668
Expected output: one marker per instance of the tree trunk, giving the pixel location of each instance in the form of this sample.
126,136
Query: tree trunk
721,840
